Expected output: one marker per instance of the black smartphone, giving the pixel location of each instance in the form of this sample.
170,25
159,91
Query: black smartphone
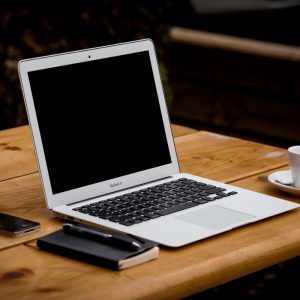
15,226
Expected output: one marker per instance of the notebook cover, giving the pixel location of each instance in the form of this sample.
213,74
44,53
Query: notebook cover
94,252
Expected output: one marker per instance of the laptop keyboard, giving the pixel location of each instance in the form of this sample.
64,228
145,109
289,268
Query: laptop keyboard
154,202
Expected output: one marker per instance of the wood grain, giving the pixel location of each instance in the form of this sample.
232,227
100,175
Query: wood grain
197,152
28,273
17,157
175,274
224,158
179,130
23,197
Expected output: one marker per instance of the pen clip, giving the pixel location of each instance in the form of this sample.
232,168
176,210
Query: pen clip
136,238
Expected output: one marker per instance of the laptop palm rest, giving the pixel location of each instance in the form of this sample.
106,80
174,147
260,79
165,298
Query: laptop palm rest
215,217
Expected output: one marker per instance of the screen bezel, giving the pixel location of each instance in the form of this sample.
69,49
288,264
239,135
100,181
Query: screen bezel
112,185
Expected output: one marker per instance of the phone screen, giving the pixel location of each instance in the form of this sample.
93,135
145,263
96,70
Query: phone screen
17,226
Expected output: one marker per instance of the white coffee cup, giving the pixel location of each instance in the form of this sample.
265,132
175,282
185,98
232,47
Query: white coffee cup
294,158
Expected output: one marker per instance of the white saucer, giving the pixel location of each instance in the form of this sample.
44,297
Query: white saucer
281,175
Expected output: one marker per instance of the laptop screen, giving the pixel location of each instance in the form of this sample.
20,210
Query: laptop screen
99,120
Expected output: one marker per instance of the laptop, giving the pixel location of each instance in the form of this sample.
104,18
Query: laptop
106,153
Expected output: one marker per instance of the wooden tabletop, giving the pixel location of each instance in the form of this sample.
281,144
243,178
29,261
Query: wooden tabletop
29,273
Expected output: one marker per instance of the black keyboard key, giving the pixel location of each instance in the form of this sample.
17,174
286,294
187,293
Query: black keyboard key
176,208
231,193
143,218
214,190
84,211
221,195
200,201
152,215
206,187
121,218
94,214
207,198
135,220
126,223
104,217
201,195
187,198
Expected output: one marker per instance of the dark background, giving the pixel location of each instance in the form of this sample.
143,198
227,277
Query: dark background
34,28
233,92
251,96
240,94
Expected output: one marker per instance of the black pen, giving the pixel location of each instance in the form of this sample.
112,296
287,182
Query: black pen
111,239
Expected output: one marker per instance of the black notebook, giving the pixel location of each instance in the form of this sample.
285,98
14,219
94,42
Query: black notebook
96,252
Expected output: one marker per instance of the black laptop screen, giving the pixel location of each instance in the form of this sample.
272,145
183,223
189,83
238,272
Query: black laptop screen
99,120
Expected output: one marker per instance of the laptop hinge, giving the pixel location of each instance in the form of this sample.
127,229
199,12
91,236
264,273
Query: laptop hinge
119,191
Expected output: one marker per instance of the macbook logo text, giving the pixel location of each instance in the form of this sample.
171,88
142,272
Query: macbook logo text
112,185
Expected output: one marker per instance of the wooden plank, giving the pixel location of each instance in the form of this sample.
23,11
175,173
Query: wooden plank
51,277
17,156
225,158
23,162
236,44
177,272
179,130
23,197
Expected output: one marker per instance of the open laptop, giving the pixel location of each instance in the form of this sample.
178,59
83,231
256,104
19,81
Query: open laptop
106,152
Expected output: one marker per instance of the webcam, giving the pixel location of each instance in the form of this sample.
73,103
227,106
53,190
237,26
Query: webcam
89,56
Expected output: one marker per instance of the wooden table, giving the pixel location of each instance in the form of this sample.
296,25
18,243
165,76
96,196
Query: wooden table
28,273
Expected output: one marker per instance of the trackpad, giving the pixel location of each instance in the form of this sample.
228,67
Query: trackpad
215,217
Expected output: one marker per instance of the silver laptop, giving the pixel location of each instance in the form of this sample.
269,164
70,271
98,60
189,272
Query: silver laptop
106,152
